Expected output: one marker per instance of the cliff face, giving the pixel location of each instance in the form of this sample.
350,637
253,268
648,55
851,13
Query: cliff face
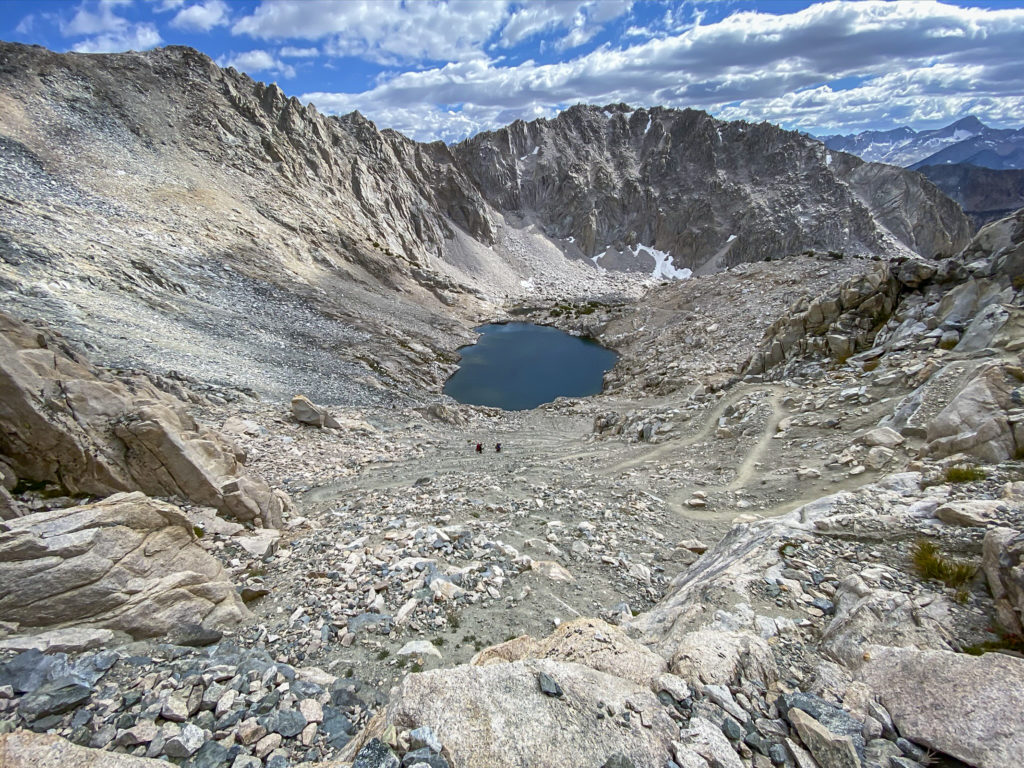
710,193
985,194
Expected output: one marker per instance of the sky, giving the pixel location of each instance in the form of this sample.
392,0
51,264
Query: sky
447,69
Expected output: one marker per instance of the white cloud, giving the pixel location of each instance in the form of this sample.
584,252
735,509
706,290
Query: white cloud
169,5
299,53
135,37
202,17
749,64
583,19
394,31
384,32
106,31
256,61
91,22
25,25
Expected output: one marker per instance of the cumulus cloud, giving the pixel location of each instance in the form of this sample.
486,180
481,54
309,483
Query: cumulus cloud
582,19
136,37
299,53
202,17
384,32
394,31
107,31
26,24
755,65
94,18
256,61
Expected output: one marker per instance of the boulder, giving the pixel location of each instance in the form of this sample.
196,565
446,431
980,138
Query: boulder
9,508
168,454
306,411
969,513
865,615
446,414
66,423
970,707
705,739
590,642
23,749
976,421
831,749
915,271
69,640
496,715
1003,564
711,657
128,563
887,437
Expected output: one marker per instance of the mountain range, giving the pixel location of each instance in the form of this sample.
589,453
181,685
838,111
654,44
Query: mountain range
967,141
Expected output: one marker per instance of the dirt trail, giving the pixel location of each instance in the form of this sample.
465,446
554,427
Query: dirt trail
671,446
557,448
746,469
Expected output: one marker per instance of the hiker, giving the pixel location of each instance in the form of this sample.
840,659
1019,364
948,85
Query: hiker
497,447
479,447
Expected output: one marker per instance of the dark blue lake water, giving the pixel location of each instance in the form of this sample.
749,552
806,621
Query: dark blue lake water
517,366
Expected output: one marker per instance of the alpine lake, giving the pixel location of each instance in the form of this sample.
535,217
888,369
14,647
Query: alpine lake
518,366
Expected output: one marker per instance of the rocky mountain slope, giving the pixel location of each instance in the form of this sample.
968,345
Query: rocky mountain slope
967,140
753,538
165,212
615,184
984,194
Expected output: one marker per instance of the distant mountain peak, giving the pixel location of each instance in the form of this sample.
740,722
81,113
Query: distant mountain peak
969,123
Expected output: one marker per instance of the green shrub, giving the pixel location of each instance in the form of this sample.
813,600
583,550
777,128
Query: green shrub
930,564
964,474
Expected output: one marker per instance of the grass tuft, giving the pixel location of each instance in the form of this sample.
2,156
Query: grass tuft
966,473
930,564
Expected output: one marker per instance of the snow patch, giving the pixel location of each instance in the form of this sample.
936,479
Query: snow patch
731,238
570,239
649,121
664,269
828,158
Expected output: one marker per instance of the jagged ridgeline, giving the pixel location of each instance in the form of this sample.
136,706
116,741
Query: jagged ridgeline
154,196
709,192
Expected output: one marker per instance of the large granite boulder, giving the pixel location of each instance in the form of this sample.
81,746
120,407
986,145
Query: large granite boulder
128,563
24,749
715,657
591,642
966,706
496,715
866,615
982,420
66,423
1003,564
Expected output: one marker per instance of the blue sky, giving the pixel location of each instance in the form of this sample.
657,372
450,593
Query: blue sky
450,68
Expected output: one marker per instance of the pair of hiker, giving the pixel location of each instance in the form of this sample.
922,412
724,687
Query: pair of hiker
480,447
